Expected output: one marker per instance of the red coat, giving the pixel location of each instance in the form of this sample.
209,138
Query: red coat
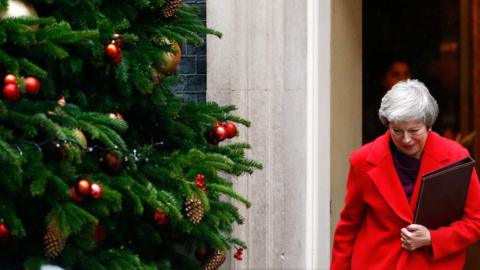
376,209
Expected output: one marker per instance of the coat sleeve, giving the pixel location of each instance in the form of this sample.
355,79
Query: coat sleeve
462,233
349,223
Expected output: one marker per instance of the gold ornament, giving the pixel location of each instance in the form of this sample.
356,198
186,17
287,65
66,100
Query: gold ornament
18,8
194,209
54,240
62,102
170,60
170,8
116,116
80,136
215,261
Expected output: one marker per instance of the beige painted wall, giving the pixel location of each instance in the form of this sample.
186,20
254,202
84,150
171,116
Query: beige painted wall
346,107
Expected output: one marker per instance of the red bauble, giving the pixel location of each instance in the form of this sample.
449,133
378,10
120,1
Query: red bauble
117,59
112,50
83,187
238,254
201,253
74,195
100,233
231,129
4,232
201,185
113,163
96,191
199,182
11,92
32,85
10,78
160,217
219,132
211,137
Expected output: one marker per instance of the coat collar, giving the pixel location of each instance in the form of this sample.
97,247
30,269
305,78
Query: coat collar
434,148
385,177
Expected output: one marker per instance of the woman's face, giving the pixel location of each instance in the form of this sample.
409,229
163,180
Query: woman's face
409,137
398,71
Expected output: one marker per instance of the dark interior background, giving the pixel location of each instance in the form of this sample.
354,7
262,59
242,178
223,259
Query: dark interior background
424,33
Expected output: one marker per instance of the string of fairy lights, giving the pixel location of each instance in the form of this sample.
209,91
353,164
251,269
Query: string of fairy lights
137,157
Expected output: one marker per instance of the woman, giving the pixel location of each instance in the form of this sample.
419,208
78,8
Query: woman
375,230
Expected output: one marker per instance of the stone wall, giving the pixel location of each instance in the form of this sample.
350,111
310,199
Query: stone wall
193,66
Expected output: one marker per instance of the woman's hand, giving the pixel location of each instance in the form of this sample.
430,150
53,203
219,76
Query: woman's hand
415,236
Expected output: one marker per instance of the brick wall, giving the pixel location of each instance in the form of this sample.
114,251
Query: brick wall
193,66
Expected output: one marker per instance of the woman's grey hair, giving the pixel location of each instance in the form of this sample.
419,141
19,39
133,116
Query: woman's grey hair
408,100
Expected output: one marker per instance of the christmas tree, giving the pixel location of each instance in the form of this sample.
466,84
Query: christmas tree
102,166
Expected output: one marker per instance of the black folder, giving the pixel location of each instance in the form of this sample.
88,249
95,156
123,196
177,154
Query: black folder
443,193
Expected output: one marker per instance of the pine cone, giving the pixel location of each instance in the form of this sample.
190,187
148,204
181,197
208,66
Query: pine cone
194,209
215,261
170,8
54,240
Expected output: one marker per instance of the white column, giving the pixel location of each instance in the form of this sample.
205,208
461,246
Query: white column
260,65
319,132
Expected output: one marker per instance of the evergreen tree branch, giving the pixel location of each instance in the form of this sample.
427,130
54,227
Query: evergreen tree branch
71,218
229,192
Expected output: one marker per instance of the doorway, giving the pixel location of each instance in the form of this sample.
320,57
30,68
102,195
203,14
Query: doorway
421,40
438,43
